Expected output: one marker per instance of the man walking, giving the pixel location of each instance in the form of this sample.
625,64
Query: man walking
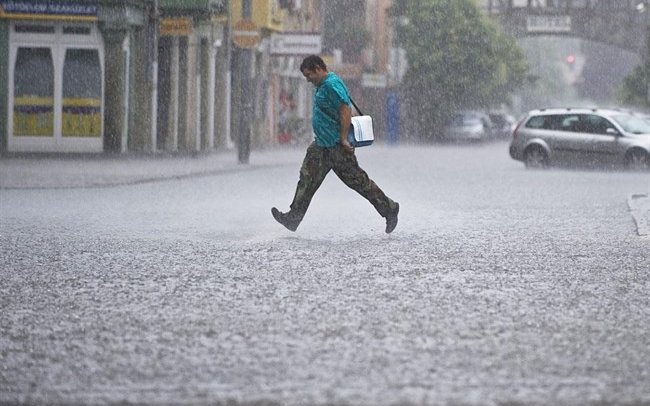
331,150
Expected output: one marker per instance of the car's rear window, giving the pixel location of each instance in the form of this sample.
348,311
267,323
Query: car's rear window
558,122
545,122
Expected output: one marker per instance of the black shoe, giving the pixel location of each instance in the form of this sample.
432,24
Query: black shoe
391,219
283,219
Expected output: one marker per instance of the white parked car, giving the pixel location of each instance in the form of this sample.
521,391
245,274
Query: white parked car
465,126
570,136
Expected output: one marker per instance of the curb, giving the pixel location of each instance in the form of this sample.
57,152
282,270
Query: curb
639,206
72,172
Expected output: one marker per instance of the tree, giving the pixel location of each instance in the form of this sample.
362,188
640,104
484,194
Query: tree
635,88
458,58
634,91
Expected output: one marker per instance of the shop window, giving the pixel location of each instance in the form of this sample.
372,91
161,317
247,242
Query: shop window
33,92
76,30
82,93
33,29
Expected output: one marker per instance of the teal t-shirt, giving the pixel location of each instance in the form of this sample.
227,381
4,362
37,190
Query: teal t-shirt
329,97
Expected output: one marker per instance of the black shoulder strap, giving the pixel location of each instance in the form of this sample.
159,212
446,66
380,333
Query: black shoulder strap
356,107
333,118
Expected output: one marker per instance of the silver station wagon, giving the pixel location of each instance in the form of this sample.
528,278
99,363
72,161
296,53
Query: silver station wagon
576,137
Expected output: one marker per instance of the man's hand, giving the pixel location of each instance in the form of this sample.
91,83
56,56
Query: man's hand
347,146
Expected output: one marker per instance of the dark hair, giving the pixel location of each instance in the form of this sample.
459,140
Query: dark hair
312,62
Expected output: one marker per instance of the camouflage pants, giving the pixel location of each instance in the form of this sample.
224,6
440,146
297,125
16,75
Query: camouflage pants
317,164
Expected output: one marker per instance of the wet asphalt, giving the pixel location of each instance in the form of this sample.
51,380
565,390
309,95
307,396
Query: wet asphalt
164,280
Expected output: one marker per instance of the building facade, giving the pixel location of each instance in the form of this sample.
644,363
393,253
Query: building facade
152,76
112,76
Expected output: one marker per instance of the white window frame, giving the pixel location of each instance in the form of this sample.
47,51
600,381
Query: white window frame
58,43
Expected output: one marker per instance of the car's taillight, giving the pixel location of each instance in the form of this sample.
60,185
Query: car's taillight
515,133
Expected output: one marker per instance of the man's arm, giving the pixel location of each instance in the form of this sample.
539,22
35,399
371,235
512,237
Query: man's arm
346,121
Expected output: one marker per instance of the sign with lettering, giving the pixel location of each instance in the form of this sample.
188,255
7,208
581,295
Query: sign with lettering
548,24
376,80
245,34
175,27
23,9
296,44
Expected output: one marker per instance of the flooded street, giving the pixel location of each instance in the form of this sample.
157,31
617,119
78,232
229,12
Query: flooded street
499,286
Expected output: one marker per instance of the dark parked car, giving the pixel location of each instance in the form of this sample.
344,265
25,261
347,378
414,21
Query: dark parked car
503,124
466,126
602,137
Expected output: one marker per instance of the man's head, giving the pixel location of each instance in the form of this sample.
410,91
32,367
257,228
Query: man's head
313,69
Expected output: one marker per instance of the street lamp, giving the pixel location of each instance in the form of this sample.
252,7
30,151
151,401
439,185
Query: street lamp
644,7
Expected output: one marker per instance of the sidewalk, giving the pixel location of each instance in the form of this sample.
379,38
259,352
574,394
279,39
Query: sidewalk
31,171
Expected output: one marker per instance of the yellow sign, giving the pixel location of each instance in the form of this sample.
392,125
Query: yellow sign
33,116
245,34
181,27
82,117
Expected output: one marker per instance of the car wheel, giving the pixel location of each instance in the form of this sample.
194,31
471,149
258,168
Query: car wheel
638,160
535,157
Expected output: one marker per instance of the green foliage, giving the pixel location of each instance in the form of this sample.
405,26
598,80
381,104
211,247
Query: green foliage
634,91
458,58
